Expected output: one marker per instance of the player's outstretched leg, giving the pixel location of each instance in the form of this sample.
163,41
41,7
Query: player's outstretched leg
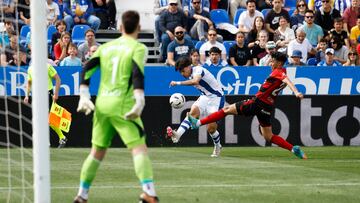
298,152
176,134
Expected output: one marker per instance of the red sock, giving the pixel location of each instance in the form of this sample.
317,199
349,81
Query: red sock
281,142
213,117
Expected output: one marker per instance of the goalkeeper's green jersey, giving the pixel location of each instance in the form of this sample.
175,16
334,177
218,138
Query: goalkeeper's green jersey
121,64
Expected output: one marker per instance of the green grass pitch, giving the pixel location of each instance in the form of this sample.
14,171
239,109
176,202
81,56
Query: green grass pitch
241,174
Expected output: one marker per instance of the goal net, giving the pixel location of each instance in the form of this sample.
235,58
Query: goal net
24,139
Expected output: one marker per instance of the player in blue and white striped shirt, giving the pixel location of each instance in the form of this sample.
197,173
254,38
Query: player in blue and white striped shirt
211,100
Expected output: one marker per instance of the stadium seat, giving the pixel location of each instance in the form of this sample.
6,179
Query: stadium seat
23,33
78,33
219,16
311,62
227,45
291,11
237,15
265,11
290,4
50,31
198,45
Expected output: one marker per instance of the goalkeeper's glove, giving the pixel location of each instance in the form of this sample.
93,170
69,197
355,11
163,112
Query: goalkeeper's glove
85,104
138,107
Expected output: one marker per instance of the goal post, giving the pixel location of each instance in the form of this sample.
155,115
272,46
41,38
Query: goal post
40,103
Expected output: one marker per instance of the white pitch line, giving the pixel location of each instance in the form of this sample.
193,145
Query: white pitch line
196,186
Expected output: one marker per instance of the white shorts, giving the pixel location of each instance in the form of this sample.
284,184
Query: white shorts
208,105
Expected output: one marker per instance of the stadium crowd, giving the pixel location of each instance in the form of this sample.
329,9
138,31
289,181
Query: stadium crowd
310,32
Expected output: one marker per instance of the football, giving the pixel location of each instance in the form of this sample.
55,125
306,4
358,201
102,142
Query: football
177,100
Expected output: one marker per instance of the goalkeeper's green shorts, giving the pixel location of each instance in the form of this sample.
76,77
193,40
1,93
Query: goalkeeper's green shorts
105,127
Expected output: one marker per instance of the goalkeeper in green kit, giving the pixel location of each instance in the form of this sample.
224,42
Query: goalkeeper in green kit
120,101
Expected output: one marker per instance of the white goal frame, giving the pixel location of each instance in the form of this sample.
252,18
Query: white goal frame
40,103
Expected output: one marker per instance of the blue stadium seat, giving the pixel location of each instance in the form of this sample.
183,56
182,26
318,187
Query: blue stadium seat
50,31
291,11
311,62
227,45
78,33
237,16
290,3
265,11
219,16
198,45
23,33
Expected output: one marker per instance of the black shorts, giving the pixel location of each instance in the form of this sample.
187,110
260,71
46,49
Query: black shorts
251,107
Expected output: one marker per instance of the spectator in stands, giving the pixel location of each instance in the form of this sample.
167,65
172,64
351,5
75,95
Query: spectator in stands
315,5
195,57
259,49
283,35
329,59
325,16
61,48
320,50
199,21
60,27
313,31
105,10
91,51
52,12
263,4
353,59
302,44
159,7
89,41
23,7
350,15
80,12
179,46
270,49
296,59
239,54
234,5
298,17
5,35
215,61
212,41
169,20
272,17
247,18
7,9
187,6
71,59
8,54
252,37
339,32
341,51
355,33
20,58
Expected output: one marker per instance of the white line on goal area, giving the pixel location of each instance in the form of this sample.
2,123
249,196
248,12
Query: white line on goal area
199,186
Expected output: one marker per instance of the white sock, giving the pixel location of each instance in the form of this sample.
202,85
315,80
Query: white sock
215,137
83,193
149,188
184,126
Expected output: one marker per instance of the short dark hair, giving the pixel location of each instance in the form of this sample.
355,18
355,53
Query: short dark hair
323,39
193,51
130,20
309,11
214,50
250,1
338,19
60,22
90,30
279,56
182,62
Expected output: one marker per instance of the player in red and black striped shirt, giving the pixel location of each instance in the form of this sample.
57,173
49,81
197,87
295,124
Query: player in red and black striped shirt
262,105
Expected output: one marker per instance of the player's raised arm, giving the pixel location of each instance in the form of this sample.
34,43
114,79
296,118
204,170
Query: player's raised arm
293,88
